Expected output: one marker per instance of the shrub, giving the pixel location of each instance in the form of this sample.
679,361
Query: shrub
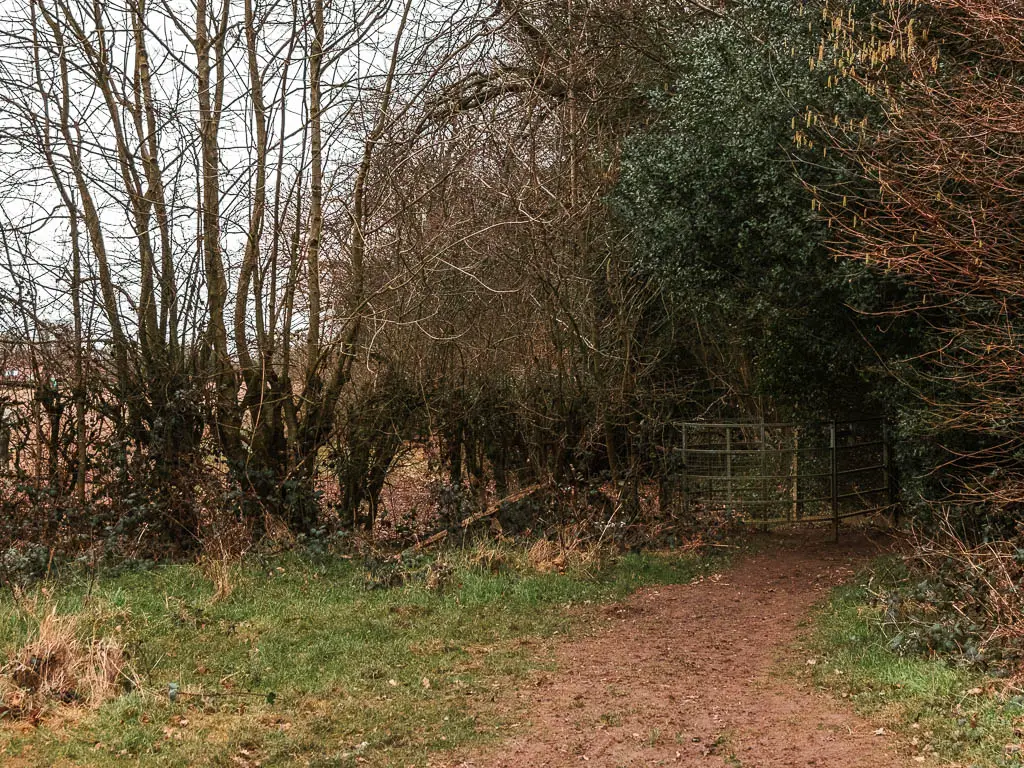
961,597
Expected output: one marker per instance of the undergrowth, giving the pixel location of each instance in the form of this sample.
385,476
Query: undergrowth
58,663
942,709
313,662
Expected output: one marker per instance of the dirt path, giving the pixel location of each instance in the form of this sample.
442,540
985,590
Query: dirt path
682,675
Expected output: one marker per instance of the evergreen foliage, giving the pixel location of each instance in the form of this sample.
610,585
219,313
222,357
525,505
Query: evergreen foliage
718,203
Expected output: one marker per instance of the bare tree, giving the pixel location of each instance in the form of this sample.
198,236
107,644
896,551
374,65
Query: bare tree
937,203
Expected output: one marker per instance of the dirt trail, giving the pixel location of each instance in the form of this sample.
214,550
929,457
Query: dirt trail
683,675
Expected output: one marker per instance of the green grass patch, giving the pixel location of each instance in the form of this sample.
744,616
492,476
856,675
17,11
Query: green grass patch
939,710
302,664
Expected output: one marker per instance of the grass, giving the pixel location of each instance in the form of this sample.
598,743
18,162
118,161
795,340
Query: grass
302,665
940,711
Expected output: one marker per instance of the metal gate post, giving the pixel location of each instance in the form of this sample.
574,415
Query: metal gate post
765,484
835,480
796,512
890,490
686,478
728,468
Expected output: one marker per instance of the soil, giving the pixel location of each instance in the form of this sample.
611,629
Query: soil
690,675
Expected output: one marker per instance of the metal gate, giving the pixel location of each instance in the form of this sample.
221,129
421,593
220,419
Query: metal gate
784,473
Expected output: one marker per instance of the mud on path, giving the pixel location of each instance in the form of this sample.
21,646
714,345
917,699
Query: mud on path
688,675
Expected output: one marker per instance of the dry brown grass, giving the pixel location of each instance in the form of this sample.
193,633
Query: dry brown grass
59,666
219,570
225,539
487,556
570,549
